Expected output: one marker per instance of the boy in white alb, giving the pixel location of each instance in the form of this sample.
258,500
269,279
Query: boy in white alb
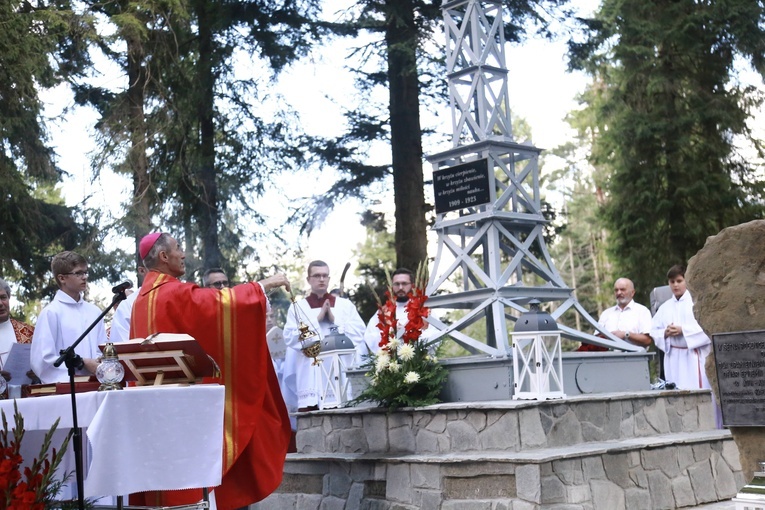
63,321
676,332
686,347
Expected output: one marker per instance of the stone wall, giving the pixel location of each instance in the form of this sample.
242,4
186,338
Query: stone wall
652,451
635,478
510,425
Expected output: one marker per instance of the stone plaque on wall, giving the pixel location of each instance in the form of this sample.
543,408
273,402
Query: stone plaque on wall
740,358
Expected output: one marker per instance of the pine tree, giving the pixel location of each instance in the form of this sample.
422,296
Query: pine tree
41,45
195,142
666,116
401,59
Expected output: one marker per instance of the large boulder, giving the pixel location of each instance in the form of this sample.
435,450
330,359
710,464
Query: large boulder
727,281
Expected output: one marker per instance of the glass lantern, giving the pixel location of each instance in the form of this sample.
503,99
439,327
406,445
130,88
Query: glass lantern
110,371
537,363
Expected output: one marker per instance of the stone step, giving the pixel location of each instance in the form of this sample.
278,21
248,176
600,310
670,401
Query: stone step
507,426
542,455
665,471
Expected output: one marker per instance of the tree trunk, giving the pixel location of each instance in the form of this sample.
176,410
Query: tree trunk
573,279
406,145
207,206
596,274
140,216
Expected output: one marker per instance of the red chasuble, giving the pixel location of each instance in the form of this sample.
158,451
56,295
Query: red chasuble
230,325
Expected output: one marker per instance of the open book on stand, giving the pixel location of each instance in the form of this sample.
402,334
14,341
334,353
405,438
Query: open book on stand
164,358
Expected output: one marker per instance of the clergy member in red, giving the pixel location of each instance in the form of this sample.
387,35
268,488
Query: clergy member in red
230,325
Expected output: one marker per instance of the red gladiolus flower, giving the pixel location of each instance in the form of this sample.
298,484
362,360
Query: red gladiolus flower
387,320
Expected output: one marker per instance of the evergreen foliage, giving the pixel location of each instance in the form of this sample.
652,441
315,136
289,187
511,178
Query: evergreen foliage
667,116
200,148
41,45
376,259
580,248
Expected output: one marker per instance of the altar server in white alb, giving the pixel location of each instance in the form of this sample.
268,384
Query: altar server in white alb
64,320
120,331
676,332
61,323
324,313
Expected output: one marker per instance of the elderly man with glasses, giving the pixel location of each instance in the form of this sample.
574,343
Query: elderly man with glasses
12,331
230,325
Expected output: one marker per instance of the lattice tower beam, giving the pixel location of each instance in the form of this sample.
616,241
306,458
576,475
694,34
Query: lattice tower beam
475,70
492,258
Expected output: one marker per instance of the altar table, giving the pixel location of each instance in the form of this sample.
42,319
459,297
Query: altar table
141,438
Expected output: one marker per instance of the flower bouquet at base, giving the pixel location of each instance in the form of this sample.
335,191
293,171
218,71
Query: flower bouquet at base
403,372
38,487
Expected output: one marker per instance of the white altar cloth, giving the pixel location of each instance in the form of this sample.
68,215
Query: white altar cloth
141,438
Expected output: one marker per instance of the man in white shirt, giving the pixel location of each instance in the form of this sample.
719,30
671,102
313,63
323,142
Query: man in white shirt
676,332
628,320
324,313
64,320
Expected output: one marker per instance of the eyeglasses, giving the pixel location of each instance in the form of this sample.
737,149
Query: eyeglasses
221,284
320,276
79,274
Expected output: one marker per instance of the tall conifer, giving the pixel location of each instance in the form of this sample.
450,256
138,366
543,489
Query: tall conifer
668,118
42,44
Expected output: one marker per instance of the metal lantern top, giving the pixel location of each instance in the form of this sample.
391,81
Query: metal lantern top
336,341
535,320
110,352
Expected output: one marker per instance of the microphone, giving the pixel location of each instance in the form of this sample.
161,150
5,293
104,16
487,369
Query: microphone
122,287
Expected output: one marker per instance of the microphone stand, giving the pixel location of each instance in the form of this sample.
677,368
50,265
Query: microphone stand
73,362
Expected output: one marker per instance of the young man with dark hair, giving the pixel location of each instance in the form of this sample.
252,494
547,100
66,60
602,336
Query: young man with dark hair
676,332
63,321
402,281
324,313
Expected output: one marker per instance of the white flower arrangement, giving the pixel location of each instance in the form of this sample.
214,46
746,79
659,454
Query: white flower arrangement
411,377
404,373
406,352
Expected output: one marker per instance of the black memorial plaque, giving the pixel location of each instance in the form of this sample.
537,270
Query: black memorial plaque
461,186
740,363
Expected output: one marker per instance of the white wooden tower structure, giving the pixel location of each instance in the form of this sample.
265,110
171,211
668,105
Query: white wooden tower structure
491,259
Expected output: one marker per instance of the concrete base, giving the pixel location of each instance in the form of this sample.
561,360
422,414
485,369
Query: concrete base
481,378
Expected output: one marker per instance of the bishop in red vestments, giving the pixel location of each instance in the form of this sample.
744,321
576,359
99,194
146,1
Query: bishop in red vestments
230,325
